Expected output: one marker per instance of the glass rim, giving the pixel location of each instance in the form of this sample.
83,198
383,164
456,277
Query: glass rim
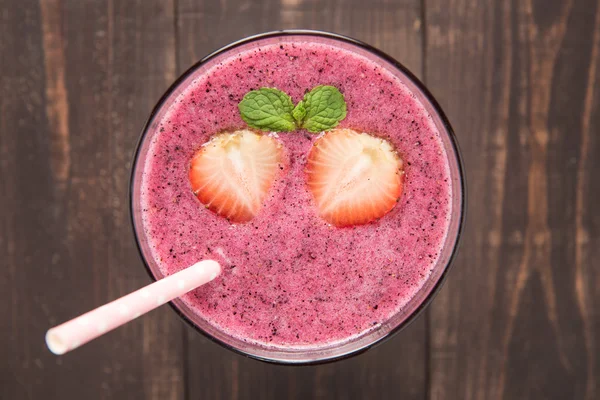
439,114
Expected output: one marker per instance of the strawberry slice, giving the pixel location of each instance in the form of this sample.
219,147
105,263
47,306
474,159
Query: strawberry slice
232,173
355,178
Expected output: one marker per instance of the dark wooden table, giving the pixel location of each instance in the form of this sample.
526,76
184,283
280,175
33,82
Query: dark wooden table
519,317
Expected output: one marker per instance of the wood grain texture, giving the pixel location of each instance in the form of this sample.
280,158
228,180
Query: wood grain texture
587,218
78,79
516,318
25,239
519,317
395,369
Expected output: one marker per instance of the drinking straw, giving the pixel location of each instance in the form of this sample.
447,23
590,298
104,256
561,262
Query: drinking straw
82,329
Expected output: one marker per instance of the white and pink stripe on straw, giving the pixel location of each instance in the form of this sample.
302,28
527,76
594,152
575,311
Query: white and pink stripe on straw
80,330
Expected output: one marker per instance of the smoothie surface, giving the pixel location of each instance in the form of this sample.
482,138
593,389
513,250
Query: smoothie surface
289,279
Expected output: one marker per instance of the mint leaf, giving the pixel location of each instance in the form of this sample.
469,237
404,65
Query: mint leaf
325,107
299,112
268,109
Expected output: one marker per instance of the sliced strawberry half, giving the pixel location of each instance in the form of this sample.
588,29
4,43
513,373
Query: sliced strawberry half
354,177
232,173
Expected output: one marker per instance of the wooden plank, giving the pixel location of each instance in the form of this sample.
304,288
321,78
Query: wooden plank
587,220
519,317
78,80
26,237
143,66
393,370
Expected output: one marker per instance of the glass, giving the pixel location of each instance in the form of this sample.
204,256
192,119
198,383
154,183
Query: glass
308,355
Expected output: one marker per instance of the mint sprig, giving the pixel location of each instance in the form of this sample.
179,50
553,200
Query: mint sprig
270,109
321,109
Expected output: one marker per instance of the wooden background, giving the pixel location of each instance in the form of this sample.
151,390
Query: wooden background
519,317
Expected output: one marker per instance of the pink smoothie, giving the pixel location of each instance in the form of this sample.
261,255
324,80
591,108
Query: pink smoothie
289,278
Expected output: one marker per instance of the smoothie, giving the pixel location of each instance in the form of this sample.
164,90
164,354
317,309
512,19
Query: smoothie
290,277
